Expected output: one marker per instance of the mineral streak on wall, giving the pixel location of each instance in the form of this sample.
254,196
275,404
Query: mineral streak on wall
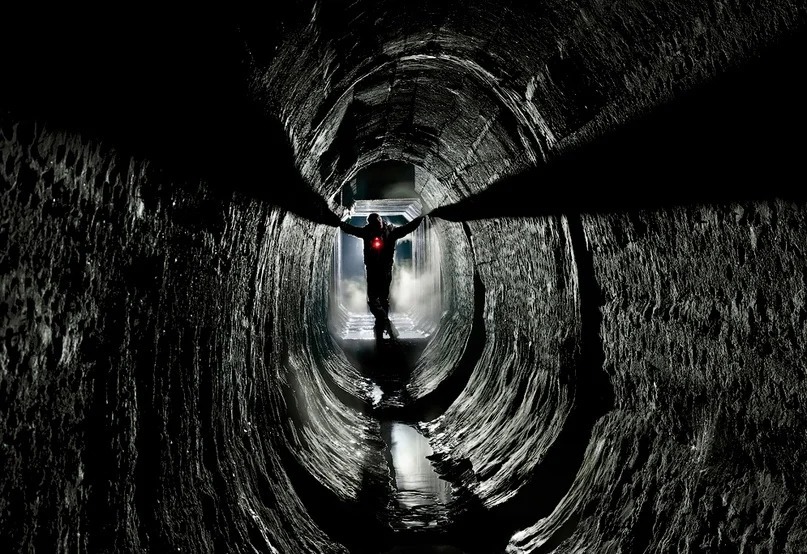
634,369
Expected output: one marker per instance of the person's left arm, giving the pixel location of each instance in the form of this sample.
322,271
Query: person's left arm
404,230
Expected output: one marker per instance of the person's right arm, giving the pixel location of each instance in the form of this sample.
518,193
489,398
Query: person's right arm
351,229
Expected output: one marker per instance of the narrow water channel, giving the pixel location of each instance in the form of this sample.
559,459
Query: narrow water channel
421,496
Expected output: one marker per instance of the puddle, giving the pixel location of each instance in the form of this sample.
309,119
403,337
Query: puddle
417,482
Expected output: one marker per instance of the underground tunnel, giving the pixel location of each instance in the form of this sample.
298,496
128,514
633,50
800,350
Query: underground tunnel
603,315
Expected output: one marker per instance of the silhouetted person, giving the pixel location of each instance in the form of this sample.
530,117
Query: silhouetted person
379,251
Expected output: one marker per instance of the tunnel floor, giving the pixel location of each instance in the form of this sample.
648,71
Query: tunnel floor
417,516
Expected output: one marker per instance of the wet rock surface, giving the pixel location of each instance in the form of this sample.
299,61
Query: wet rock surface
129,421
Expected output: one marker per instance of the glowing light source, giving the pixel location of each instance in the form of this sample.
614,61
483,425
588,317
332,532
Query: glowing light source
415,279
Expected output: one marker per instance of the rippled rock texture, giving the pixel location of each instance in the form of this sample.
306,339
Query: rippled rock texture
136,413
704,333
620,366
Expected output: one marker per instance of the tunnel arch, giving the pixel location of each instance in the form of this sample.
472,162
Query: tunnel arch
332,150
504,134
494,420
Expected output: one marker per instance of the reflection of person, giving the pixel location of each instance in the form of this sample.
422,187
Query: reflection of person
379,251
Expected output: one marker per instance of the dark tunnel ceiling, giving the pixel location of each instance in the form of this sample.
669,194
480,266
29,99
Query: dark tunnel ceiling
462,90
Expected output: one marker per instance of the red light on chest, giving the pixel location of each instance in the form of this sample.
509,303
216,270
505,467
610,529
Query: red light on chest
377,243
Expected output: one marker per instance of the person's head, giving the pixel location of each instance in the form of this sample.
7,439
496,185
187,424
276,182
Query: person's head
374,220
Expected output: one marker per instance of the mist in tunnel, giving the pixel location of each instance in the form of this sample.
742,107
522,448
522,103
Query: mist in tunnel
606,306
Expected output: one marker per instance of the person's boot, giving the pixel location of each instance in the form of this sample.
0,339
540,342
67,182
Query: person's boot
378,331
392,331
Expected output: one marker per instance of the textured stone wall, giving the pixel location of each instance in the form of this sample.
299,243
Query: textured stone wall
130,418
704,334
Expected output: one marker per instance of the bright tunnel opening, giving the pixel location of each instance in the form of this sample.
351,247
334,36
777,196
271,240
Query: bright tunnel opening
415,292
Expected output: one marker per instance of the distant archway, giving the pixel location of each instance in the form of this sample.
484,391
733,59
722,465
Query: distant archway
415,295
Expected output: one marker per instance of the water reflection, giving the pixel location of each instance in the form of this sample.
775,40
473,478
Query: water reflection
417,482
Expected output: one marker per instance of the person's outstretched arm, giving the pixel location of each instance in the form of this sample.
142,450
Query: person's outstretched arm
404,230
351,229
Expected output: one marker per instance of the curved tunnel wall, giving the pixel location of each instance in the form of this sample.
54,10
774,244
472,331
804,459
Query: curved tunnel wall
703,332
138,411
169,404
397,104
518,395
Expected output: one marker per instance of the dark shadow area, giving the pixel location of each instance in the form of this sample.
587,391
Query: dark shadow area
388,364
737,137
173,90
357,525
386,179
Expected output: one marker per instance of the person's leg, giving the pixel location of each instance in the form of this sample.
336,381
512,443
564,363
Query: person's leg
380,315
375,301
387,281
393,332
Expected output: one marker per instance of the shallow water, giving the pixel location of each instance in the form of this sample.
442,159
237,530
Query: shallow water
417,482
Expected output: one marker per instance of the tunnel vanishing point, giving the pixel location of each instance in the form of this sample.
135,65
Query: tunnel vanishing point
618,203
